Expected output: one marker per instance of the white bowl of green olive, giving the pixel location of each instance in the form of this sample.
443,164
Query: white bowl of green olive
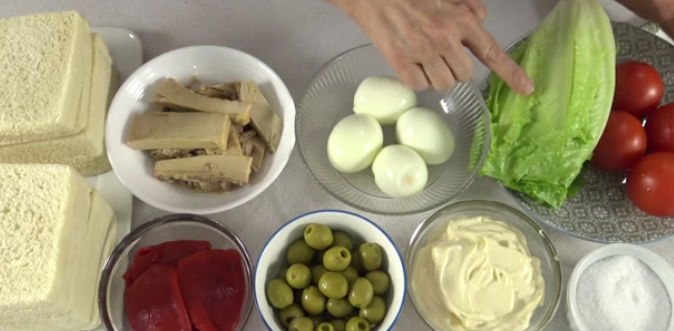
330,270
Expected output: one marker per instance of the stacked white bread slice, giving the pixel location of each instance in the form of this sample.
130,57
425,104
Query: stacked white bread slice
55,233
72,132
48,58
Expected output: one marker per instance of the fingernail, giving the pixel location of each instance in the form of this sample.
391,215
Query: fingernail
528,87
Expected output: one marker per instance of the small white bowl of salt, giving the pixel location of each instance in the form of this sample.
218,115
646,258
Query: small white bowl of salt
621,287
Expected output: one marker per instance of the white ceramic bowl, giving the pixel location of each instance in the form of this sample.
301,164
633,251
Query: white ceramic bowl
273,258
658,265
213,65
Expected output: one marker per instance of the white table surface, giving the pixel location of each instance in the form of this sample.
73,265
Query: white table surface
295,37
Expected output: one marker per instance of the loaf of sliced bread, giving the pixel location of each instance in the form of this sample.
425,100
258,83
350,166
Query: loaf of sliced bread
88,144
100,164
44,208
45,76
94,167
93,248
56,230
95,317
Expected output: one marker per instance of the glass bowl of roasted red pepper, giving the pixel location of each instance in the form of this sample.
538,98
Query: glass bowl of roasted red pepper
180,272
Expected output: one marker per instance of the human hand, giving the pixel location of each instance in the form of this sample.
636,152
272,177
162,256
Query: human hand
658,11
425,41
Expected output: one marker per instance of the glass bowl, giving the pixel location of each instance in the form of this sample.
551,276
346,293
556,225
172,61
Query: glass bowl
329,98
601,211
168,228
538,242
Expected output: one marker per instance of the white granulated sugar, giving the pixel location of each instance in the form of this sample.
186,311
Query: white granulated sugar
621,293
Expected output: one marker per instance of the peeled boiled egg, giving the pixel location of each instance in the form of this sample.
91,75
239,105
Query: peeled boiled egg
399,171
425,132
384,98
354,142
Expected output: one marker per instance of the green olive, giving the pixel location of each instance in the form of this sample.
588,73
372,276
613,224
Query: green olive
339,308
370,256
325,327
333,285
316,272
300,252
380,281
317,319
318,258
279,294
298,276
350,274
287,314
342,239
375,311
318,236
337,258
339,324
355,262
313,301
357,324
361,293
301,324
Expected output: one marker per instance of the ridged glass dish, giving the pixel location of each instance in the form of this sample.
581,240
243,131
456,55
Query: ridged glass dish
601,210
167,228
537,241
329,98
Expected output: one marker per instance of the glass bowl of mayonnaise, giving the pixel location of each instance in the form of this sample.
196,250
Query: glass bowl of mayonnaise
483,266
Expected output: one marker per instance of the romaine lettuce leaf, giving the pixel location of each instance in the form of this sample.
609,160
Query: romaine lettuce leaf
540,142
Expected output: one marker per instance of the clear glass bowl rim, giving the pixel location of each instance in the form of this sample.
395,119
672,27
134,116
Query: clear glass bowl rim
138,233
471,205
468,182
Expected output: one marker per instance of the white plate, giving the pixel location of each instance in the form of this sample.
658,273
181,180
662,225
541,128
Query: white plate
212,65
127,55
125,49
656,30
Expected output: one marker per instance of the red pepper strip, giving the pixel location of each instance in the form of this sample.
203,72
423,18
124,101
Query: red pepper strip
165,253
128,275
154,301
213,286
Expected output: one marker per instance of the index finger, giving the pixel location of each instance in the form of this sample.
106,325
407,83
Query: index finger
489,52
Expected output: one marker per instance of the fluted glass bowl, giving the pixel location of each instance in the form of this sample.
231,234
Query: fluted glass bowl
168,228
538,242
329,98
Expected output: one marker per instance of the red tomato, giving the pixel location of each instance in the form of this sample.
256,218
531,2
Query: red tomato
621,145
639,88
650,184
660,129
